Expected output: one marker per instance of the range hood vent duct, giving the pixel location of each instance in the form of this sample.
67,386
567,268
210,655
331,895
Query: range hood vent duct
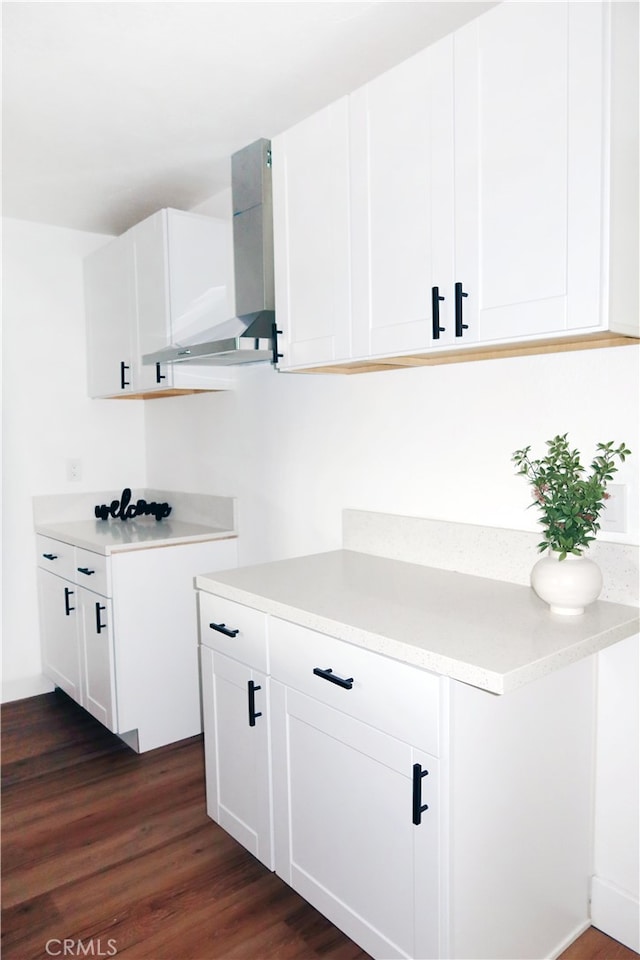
247,337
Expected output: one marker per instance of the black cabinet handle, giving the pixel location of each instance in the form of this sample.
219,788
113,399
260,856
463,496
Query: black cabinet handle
99,626
123,380
459,294
86,571
274,343
222,628
435,312
159,376
68,593
251,692
329,675
50,556
418,806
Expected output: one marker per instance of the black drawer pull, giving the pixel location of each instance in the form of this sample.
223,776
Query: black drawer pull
459,294
99,626
86,571
436,329
159,376
50,556
123,375
329,675
251,691
68,593
418,806
222,628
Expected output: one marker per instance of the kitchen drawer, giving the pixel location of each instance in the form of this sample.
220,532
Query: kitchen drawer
400,699
92,570
56,557
249,645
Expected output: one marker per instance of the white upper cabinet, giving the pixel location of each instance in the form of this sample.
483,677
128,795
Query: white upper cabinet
153,321
482,194
164,281
183,284
529,170
402,204
312,238
111,319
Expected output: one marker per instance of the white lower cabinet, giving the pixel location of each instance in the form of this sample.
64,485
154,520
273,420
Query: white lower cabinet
126,650
346,839
97,657
235,701
425,818
59,632
77,644
357,801
615,886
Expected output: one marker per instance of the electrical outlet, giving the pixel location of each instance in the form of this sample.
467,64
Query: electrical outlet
613,518
74,469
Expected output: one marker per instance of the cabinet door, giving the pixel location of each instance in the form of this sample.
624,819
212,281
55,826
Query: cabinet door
237,758
183,282
311,238
402,204
616,881
199,253
345,836
58,605
153,322
201,297
97,661
110,317
528,169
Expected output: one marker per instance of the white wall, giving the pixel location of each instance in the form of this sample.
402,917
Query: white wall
432,442
48,418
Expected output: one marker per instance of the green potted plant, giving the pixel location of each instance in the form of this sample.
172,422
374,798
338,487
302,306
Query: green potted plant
570,501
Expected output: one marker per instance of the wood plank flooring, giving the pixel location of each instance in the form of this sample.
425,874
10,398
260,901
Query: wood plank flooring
114,853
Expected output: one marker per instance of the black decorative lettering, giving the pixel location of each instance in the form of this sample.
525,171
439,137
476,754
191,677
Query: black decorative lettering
126,510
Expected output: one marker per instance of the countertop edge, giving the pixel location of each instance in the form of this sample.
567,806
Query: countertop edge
579,651
107,550
473,675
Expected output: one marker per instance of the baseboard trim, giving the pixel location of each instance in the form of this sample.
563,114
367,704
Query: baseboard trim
616,912
25,687
566,943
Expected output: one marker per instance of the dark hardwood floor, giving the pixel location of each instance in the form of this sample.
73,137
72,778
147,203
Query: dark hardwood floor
114,853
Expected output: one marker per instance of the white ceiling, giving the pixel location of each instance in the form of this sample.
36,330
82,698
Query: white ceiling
114,110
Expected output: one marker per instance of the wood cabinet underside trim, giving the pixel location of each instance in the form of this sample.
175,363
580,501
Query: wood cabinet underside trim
156,394
588,342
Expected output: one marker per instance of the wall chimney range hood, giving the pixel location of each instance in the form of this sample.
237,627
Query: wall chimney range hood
249,336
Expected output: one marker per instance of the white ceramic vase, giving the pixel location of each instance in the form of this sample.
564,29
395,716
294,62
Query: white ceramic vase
568,585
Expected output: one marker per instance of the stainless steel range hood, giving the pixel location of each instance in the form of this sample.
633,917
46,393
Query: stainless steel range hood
247,337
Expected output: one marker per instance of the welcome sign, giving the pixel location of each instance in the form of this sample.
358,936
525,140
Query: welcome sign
126,509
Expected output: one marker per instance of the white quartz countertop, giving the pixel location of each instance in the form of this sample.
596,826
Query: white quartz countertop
112,536
488,633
